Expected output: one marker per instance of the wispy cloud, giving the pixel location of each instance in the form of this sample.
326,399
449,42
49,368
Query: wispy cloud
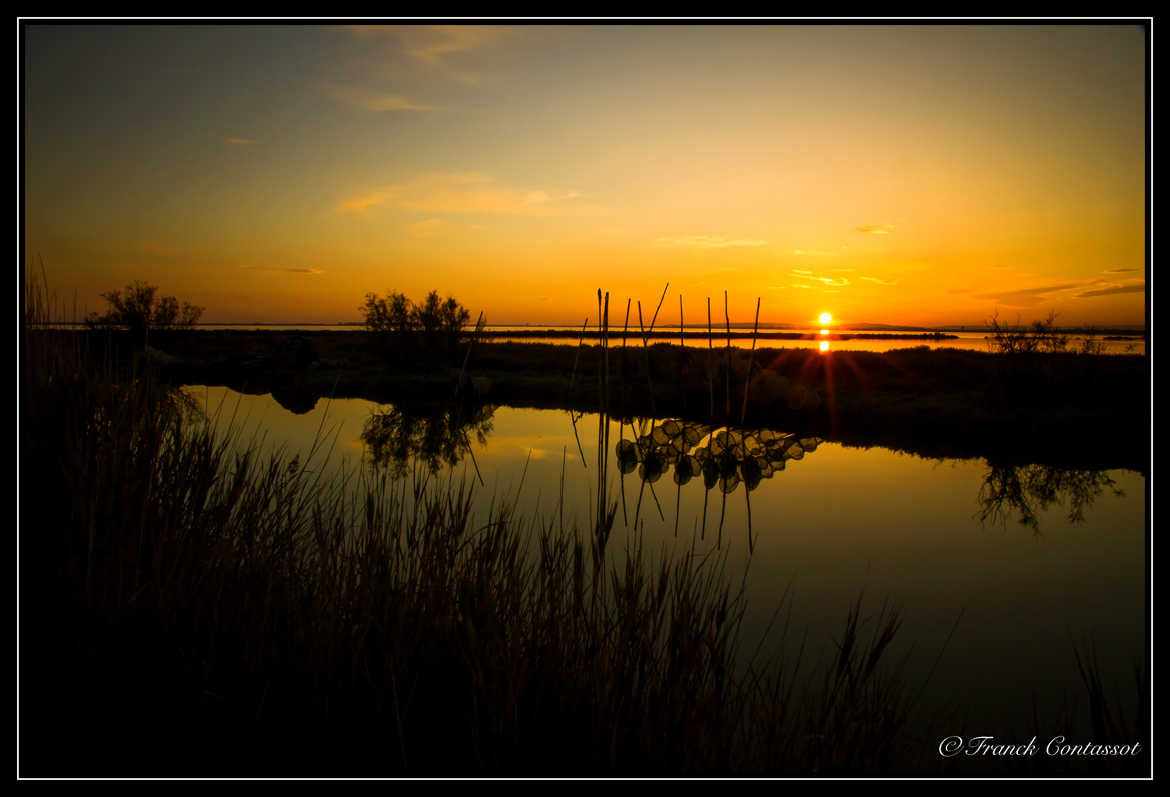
710,241
1113,290
1027,297
1118,270
291,270
813,253
801,274
441,48
469,192
237,140
876,229
1030,297
369,100
878,281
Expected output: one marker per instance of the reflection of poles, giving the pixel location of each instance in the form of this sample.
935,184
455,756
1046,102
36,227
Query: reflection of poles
657,503
722,514
703,534
625,517
747,496
677,504
470,453
638,506
561,496
573,419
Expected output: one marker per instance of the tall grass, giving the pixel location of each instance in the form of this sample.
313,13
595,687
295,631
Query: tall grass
190,605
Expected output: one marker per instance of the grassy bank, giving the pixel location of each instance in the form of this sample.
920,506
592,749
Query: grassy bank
1010,409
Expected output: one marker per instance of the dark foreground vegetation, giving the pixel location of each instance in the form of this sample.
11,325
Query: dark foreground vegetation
190,610
1065,408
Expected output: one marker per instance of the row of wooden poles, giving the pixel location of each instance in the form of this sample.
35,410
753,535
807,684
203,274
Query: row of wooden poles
603,328
604,516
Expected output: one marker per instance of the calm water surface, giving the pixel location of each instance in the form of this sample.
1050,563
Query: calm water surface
975,341
1025,580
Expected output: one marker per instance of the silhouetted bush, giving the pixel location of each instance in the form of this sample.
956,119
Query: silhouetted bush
1041,336
435,324
139,309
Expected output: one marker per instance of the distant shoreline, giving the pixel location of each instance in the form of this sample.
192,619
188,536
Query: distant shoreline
691,332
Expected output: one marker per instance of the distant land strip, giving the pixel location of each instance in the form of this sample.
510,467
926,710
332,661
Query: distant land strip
593,334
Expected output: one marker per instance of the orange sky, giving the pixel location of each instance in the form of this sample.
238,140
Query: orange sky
919,175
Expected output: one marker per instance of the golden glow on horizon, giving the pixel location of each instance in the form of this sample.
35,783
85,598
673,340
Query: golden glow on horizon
824,345
878,185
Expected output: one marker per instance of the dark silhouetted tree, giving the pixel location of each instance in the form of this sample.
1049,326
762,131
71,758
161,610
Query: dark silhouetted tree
435,323
139,309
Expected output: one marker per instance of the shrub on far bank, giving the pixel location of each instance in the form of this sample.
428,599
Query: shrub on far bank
434,324
1039,337
138,308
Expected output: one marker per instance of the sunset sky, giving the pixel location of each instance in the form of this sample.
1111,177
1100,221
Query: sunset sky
921,175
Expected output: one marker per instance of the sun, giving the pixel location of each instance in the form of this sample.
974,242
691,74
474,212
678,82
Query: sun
826,319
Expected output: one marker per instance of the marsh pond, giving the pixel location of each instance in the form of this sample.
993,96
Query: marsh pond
1003,574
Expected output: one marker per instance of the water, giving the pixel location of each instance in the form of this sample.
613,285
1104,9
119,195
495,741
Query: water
1018,582
976,341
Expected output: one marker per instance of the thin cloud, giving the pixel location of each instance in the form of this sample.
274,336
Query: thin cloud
467,192
1118,270
710,241
813,253
374,101
440,48
291,270
876,229
237,140
1114,290
808,275
1027,297
878,281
